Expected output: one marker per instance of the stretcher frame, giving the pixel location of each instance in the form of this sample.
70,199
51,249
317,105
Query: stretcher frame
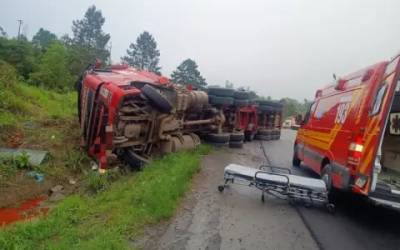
307,196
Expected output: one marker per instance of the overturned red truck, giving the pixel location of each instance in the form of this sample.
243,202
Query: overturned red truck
131,114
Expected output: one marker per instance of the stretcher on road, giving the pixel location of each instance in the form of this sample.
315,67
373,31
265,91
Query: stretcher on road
279,182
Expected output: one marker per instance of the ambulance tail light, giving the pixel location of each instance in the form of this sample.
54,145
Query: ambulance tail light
356,149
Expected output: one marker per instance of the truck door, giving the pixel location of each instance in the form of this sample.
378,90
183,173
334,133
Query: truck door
380,106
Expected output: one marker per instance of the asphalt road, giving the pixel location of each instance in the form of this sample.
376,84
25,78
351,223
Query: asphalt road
237,219
357,224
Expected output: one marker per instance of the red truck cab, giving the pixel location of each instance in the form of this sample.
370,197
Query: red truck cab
350,135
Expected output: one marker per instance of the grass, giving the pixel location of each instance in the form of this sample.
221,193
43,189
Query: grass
41,119
113,217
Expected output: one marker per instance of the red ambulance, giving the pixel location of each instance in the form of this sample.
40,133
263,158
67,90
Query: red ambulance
351,133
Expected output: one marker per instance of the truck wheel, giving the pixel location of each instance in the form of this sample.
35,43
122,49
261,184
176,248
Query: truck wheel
134,160
238,136
326,176
157,98
220,100
222,92
219,138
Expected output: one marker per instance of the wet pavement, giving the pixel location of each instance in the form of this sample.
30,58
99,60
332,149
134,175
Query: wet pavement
237,219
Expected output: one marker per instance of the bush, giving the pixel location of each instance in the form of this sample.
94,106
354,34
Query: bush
53,70
18,53
8,75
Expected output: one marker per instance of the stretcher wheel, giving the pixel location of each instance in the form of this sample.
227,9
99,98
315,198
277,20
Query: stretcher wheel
263,198
221,188
331,208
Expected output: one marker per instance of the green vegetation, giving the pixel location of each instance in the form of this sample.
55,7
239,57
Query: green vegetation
113,217
53,70
144,54
188,73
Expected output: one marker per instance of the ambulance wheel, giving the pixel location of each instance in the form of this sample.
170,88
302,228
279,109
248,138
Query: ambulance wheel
326,176
157,98
221,188
296,162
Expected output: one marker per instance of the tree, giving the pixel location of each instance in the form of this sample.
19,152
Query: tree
43,39
143,54
18,53
2,32
187,73
53,69
88,42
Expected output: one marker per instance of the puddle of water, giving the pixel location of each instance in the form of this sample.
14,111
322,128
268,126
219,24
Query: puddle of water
27,210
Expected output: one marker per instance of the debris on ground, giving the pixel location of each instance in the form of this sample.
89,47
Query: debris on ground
39,177
35,157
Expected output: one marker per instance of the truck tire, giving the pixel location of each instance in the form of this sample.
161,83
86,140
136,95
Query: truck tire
220,100
241,102
218,138
219,144
237,136
157,98
241,95
133,160
222,92
236,144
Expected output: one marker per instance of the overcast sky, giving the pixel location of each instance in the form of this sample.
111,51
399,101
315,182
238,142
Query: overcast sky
278,48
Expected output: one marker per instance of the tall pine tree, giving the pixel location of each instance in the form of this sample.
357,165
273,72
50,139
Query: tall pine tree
188,73
89,41
143,54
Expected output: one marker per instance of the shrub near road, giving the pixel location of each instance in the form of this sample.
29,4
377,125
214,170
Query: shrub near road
113,217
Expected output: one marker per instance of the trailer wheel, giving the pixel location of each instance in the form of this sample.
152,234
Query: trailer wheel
219,138
237,136
157,98
220,100
216,91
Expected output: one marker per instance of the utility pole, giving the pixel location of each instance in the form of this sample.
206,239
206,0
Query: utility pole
20,22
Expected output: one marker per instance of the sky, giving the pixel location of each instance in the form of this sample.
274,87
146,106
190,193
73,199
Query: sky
279,48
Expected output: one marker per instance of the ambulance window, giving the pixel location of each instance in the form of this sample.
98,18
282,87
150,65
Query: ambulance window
309,112
378,100
398,86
